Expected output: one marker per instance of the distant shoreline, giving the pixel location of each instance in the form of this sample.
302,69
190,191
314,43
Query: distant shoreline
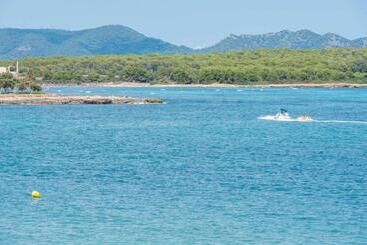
214,85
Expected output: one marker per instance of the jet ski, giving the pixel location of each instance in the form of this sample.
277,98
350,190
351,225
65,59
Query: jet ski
282,115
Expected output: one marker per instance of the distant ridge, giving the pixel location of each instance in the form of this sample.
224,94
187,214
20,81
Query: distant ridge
114,39
117,39
302,39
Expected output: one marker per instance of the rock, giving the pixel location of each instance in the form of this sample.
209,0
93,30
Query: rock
54,99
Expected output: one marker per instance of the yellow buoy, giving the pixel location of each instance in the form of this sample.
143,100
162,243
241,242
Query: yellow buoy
36,194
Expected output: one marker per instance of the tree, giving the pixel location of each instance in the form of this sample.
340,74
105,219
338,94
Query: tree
7,82
137,74
23,87
180,75
30,77
7,85
35,87
360,65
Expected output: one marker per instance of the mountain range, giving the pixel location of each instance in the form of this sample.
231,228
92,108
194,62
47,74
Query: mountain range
117,39
302,39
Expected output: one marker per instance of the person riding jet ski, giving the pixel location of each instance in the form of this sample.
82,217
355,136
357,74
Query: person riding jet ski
282,115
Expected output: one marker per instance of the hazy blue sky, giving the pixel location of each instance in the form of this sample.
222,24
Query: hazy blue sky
191,22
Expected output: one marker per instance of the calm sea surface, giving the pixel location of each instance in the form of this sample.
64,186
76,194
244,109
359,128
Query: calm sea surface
200,169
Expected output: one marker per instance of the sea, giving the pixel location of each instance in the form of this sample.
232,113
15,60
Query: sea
203,168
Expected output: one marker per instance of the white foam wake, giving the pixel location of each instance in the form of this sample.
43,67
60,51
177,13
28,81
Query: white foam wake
274,118
340,121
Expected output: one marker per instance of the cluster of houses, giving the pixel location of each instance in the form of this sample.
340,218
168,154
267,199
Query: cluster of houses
9,70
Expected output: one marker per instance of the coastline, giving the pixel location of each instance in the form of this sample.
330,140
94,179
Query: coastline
213,85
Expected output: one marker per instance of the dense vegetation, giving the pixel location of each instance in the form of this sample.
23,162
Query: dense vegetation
9,84
246,67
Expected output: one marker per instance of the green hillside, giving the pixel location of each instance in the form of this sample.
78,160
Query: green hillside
303,39
20,43
246,67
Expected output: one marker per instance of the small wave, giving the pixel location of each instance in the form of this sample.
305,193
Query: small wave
340,121
273,118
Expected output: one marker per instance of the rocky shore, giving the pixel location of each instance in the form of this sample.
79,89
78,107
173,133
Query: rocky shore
54,99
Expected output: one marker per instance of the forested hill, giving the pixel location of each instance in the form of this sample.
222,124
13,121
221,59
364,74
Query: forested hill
20,43
245,67
303,39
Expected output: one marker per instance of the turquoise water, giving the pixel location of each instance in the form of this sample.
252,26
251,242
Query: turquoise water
200,169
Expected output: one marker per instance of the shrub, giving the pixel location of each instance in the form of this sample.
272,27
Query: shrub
137,74
35,87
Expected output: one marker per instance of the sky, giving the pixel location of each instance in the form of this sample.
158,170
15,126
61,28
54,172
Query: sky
194,23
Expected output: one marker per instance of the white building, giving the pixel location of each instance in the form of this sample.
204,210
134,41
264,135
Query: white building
8,69
3,70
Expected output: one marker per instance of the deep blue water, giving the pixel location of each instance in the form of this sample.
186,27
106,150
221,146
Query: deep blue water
200,169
